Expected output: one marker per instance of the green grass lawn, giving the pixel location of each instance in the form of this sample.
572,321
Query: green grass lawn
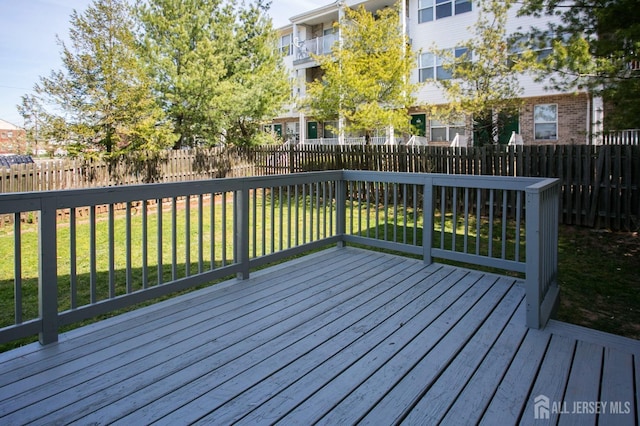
599,277
598,271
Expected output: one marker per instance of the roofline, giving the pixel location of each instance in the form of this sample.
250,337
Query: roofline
318,11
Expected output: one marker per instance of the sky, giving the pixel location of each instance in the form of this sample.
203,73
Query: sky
29,47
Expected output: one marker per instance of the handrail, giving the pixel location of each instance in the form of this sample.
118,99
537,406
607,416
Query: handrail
223,227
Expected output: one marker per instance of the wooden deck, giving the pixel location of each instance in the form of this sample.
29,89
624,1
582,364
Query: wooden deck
337,337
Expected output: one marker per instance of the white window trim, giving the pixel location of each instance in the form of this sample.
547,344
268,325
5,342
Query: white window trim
437,61
434,5
535,123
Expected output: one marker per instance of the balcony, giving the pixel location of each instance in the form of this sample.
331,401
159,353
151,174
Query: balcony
344,334
316,46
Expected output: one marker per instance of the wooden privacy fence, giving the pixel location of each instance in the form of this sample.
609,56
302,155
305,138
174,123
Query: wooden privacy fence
600,184
167,166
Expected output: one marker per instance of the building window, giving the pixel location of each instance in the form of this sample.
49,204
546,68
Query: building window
330,129
434,67
441,131
285,45
425,11
545,119
443,9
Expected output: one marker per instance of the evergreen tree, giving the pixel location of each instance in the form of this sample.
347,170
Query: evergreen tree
366,81
596,45
216,67
256,78
102,100
484,77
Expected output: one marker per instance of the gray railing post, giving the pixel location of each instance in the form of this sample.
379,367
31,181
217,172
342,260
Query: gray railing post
427,220
533,247
542,252
242,231
48,272
341,213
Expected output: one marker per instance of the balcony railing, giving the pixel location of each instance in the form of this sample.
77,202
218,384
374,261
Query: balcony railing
76,254
315,46
361,140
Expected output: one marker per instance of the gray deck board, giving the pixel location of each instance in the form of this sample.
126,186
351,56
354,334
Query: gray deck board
337,337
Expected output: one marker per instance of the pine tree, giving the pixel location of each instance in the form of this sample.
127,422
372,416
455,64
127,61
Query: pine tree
102,100
366,81
484,81
596,45
216,67
256,77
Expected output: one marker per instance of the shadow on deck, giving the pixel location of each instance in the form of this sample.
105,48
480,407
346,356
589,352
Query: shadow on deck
337,337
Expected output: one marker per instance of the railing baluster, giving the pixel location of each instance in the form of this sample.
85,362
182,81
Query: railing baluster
443,215
317,191
111,246
466,220
504,225
296,216
415,215
288,216
518,224
145,245
404,207
224,229
212,232
386,211
478,219
92,255
160,267
491,201
73,259
174,239
201,233
454,218
395,212
187,237
304,213
128,267
264,221
280,219
17,268
273,222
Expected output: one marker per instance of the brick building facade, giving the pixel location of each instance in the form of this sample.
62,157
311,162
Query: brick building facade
13,139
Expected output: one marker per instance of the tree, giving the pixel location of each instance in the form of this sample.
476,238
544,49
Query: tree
256,76
483,81
215,66
102,100
596,45
366,79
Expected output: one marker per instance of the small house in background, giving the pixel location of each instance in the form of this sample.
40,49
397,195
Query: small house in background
13,139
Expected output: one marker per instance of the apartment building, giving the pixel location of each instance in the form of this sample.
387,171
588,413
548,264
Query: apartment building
546,116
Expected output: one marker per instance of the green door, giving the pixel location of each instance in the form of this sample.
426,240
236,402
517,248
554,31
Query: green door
277,128
312,130
419,122
507,124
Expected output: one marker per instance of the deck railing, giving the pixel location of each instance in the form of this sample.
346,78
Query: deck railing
93,251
